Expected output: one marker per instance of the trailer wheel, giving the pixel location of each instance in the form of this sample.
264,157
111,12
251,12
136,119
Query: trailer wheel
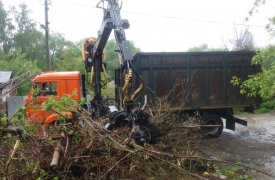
212,119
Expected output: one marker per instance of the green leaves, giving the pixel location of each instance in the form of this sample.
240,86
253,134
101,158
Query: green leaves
82,102
19,65
3,122
235,81
59,104
18,120
263,83
112,59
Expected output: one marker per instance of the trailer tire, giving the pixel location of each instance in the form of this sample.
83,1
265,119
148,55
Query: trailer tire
212,119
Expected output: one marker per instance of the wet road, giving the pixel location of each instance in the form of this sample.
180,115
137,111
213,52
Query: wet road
252,144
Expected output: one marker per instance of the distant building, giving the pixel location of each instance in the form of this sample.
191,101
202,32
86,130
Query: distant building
6,89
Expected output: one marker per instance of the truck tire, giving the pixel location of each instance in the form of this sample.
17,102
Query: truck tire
212,119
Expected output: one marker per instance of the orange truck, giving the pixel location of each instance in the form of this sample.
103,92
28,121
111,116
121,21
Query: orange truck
57,84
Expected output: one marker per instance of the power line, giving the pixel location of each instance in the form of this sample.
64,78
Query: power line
194,20
175,17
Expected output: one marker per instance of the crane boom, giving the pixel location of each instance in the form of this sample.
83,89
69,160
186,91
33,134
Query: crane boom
111,21
129,114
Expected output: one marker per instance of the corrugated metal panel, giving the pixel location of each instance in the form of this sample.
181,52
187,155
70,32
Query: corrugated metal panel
13,103
5,76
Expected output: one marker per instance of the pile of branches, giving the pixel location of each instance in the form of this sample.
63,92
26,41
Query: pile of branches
83,149
21,79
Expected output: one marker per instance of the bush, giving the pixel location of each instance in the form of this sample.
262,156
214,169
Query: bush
267,106
261,110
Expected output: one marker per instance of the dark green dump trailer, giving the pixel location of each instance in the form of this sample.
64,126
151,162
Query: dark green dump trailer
197,81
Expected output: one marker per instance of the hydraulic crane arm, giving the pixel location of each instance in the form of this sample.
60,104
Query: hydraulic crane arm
112,20
130,114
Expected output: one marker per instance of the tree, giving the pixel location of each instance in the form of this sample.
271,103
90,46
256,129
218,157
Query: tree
20,44
65,55
28,39
21,17
31,43
61,49
112,58
18,63
243,40
204,48
6,30
263,83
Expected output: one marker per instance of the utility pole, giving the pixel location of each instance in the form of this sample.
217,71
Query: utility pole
47,36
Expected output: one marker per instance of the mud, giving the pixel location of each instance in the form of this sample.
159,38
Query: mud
253,144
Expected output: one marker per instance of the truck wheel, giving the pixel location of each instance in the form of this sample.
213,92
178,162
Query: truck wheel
212,119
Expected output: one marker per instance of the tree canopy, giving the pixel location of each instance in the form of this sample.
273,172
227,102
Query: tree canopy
204,48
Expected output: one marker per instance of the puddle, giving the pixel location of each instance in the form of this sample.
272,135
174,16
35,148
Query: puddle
257,130
253,144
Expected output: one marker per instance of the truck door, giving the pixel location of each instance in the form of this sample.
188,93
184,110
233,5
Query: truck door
41,91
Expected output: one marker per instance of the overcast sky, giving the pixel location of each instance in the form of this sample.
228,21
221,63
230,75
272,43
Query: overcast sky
159,25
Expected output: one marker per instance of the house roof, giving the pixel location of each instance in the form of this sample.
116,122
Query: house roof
5,76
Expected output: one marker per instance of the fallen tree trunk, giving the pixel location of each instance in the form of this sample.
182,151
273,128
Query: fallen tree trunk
15,147
36,168
13,131
56,155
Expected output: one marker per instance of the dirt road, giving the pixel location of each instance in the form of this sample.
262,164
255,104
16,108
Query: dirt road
254,144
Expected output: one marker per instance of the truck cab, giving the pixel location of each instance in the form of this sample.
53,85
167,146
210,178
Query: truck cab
49,84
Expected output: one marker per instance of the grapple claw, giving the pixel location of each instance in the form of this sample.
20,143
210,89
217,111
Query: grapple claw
138,121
